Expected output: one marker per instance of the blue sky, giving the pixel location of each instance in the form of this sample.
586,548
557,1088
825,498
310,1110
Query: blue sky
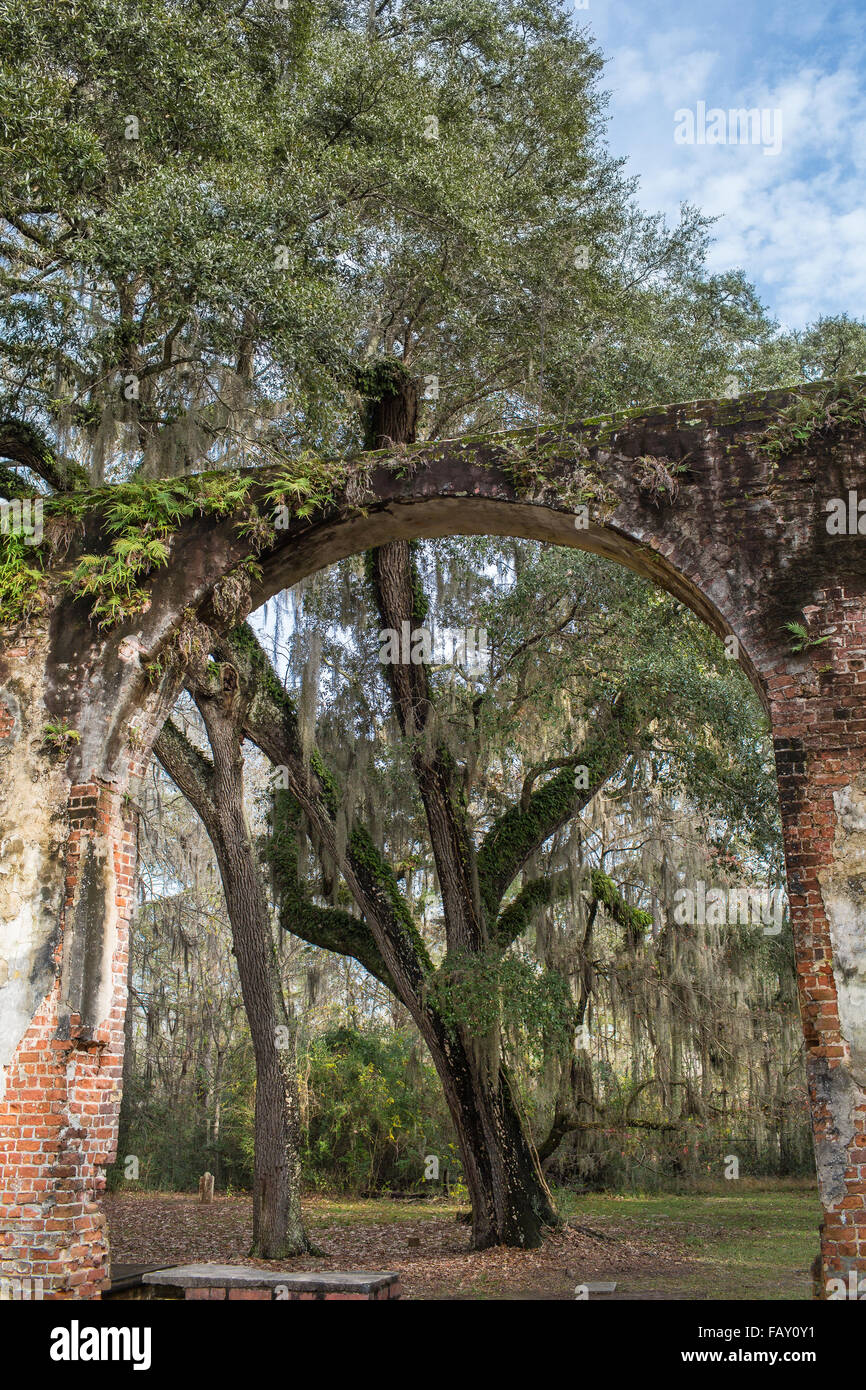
794,221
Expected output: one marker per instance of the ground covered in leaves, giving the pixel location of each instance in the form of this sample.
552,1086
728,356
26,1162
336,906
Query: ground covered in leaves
740,1241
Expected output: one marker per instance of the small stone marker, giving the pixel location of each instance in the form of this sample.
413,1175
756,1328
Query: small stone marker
205,1187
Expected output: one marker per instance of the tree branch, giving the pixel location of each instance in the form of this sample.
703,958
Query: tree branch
328,927
26,446
331,928
520,831
396,586
270,721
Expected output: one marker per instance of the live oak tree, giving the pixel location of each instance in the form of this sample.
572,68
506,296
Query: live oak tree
459,999
833,346
209,217
695,1013
509,1198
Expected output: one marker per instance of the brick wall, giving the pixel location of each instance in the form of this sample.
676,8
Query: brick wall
59,1114
819,720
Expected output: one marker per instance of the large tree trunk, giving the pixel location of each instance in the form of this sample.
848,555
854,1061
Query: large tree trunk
511,1202
277,1225
216,792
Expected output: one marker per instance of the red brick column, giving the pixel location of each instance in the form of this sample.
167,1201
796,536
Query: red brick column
818,708
59,1112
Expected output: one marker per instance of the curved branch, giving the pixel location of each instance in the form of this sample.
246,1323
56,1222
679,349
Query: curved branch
191,771
521,831
514,919
27,446
328,927
331,928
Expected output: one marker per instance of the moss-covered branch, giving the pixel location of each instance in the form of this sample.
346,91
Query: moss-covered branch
522,830
600,889
12,485
329,927
190,770
27,446
270,721
400,599
518,916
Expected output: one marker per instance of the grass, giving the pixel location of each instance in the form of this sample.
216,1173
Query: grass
740,1240
745,1239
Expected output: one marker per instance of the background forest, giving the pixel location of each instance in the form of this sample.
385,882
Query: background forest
647,1051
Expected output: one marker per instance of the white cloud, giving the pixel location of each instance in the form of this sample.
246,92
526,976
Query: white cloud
795,222
675,77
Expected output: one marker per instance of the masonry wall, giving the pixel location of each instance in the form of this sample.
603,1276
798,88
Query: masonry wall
819,720
61,1086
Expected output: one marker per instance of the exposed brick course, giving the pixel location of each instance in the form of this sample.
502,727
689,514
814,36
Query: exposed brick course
59,1114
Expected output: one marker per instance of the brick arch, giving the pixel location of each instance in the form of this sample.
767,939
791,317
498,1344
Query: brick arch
491,516
685,496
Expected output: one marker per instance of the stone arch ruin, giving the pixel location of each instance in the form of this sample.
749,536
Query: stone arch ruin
751,526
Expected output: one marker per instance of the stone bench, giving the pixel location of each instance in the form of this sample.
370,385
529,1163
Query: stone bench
210,1281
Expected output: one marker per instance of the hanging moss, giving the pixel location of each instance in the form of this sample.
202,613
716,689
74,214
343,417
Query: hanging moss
521,828
329,927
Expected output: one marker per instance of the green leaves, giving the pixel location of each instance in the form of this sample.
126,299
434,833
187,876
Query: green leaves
21,575
153,159
305,483
158,508
841,405
193,254
479,992
145,514
59,737
801,639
